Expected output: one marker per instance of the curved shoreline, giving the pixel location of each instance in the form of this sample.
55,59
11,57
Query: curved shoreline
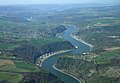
74,37
79,80
42,58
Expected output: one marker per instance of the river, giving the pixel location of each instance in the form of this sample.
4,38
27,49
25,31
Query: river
81,47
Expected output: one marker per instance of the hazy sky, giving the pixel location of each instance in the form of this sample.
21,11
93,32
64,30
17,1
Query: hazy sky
55,1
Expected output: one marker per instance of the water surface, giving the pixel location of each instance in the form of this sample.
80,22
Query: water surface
48,63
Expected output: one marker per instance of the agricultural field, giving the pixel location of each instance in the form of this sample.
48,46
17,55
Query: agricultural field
44,41
10,70
17,66
106,56
22,66
7,46
7,77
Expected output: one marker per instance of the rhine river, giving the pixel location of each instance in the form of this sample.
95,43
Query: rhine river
81,47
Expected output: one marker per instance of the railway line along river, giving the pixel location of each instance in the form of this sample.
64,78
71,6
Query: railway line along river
80,48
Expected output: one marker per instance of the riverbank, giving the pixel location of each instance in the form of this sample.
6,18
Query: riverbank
42,58
75,37
79,80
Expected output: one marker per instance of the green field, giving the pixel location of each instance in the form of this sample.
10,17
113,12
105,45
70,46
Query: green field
10,77
25,67
43,41
6,57
17,66
7,46
8,67
107,55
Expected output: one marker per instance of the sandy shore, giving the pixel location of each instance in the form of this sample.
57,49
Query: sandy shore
42,58
79,80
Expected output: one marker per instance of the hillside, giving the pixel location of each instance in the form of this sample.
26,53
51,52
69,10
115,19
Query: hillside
93,68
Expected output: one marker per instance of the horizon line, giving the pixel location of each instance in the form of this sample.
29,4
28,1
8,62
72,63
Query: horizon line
57,3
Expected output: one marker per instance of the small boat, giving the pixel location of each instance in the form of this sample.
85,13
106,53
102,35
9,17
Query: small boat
76,46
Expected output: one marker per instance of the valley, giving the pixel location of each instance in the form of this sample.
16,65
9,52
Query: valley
85,42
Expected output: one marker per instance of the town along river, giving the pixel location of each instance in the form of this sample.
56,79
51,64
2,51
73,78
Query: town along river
80,48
